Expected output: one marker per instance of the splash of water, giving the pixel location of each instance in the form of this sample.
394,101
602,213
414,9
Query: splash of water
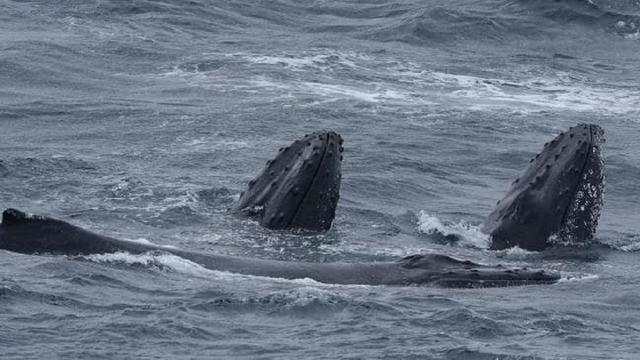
466,233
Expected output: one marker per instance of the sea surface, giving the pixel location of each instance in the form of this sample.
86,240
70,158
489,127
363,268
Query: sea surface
144,120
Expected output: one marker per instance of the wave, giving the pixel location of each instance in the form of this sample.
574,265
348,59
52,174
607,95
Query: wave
29,167
401,20
153,261
625,242
507,21
312,77
633,247
427,25
614,16
168,263
111,47
300,299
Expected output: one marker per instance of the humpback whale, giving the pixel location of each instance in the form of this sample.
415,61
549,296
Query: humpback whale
557,201
29,234
300,188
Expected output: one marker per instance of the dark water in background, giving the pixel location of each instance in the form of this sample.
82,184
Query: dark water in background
145,119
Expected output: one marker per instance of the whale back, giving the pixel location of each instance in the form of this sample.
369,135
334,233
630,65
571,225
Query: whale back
29,234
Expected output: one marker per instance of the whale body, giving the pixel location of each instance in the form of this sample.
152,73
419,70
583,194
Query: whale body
29,234
556,201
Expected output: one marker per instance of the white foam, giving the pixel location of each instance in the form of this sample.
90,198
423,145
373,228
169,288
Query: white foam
210,238
633,36
159,261
173,263
558,92
308,295
187,199
470,234
635,246
571,277
405,85
376,95
365,249
372,93
516,253
324,61
281,60
475,93
209,144
149,242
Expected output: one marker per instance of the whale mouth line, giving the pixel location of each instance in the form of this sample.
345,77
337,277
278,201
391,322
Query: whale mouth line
306,192
579,183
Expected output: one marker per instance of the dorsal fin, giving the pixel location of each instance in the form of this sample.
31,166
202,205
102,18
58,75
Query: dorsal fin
14,216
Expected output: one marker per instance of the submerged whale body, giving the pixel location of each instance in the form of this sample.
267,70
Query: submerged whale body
30,234
558,198
300,188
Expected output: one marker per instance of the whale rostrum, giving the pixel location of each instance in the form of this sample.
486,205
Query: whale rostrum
299,188
558,198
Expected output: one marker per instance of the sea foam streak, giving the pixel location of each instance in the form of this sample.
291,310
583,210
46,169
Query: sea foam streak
400,84
172,263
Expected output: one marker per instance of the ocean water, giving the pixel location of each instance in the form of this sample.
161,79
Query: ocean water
144,120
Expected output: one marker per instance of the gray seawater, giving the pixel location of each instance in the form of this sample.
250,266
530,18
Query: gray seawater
144,120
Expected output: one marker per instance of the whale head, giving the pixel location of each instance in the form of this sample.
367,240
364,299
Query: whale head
558,198
299,188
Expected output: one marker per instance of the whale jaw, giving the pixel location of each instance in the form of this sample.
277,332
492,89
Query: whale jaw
299,189
558,198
